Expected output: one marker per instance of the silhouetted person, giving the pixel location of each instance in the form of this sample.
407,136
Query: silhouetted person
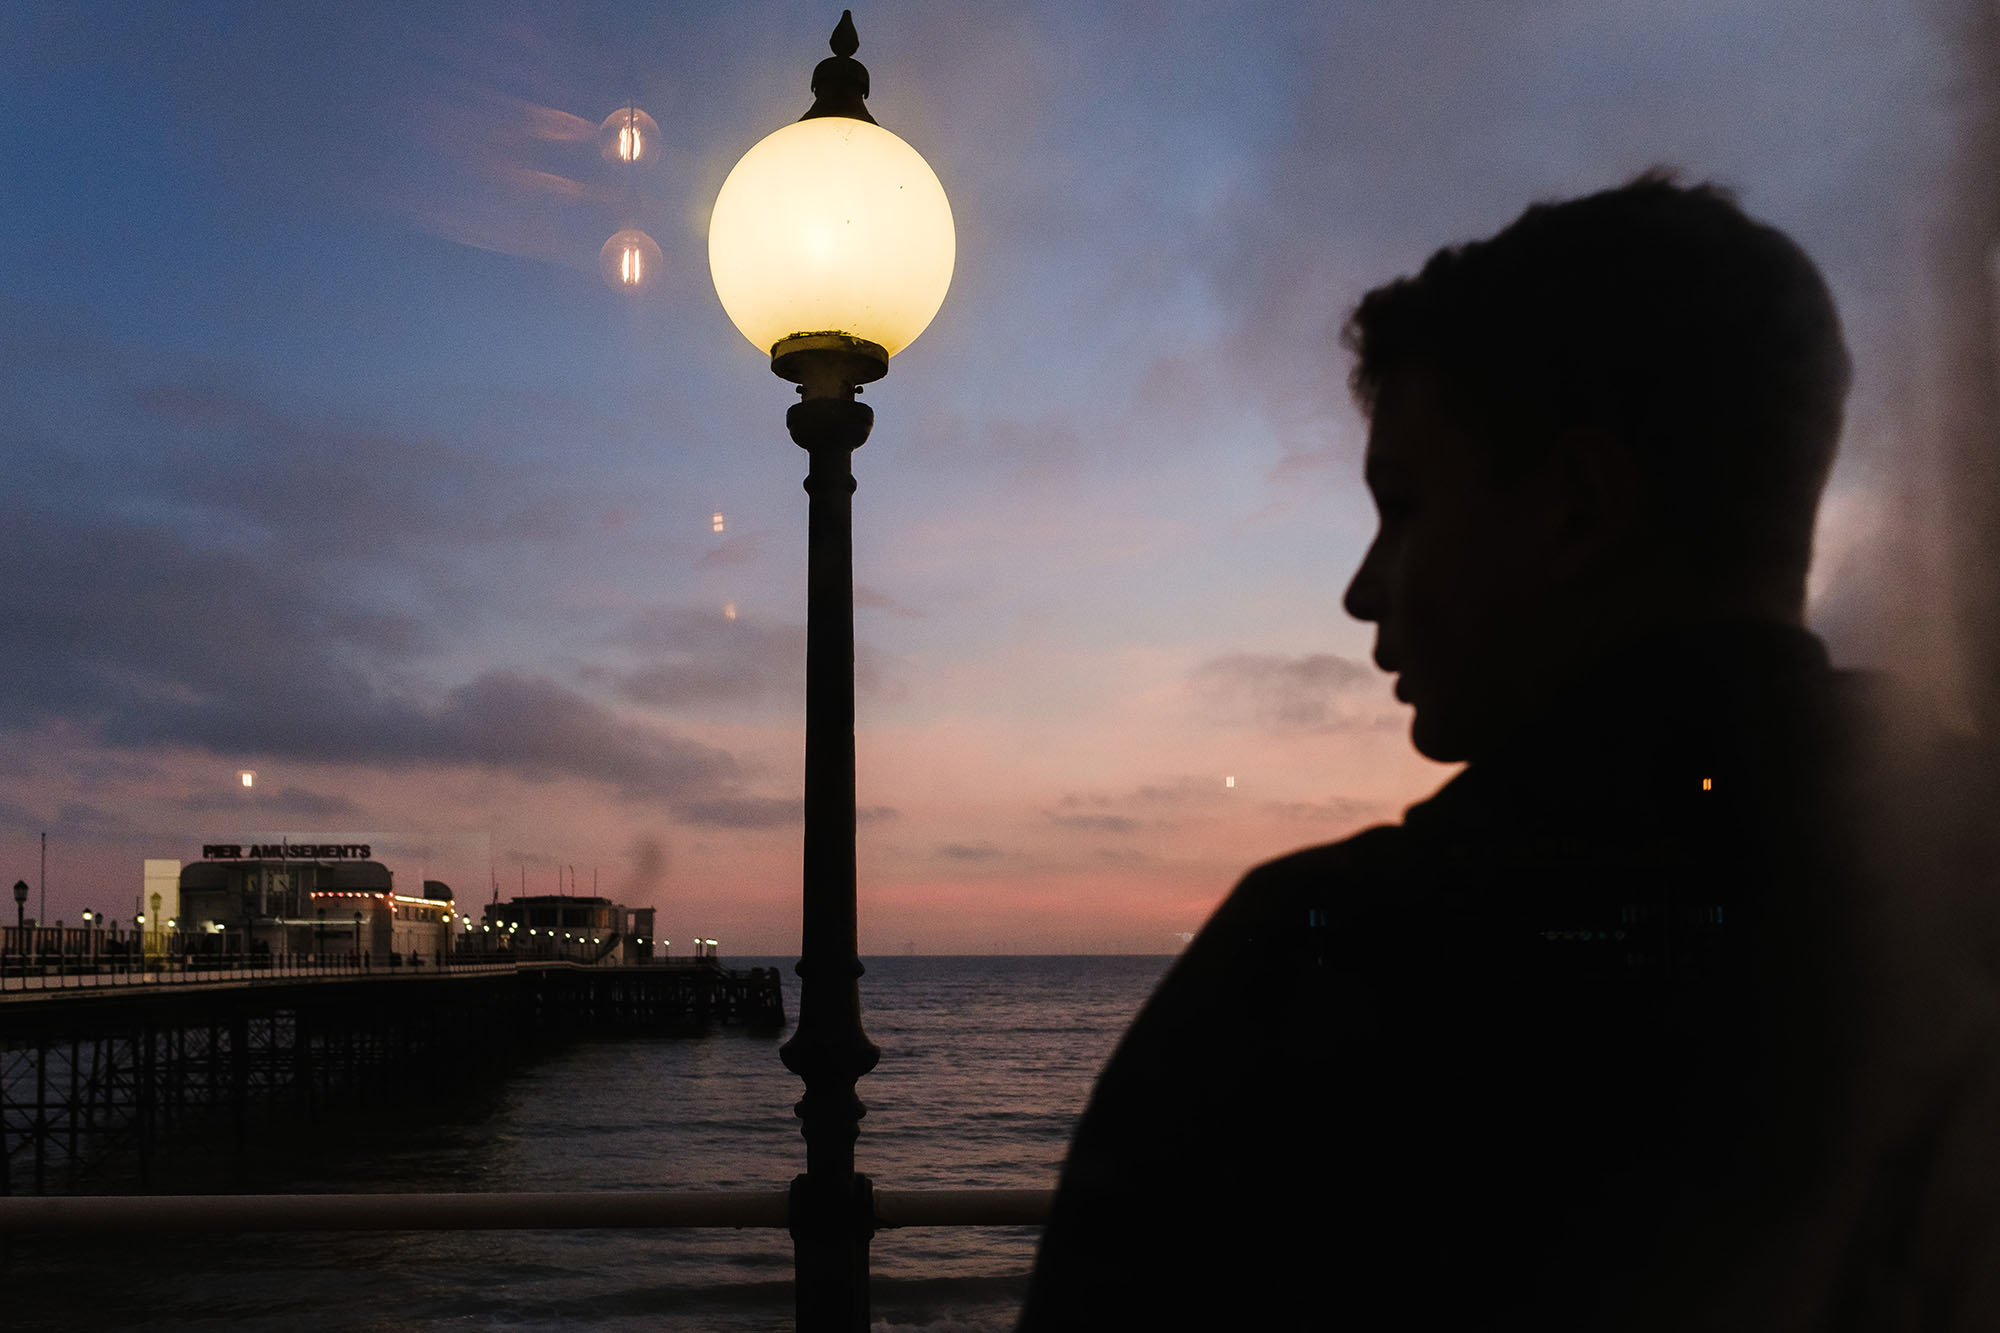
1671,1010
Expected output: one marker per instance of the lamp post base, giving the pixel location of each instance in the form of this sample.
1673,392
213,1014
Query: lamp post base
831,1227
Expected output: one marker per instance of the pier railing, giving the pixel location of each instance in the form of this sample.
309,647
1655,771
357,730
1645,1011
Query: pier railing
33,960
59,957
16,980
559,1211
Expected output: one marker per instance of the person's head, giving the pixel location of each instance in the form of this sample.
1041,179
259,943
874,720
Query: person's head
1614,415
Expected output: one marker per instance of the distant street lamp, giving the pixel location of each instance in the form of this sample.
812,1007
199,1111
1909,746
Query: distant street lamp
21,921
831,246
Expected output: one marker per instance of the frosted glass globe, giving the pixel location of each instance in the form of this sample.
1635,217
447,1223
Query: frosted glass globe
832,225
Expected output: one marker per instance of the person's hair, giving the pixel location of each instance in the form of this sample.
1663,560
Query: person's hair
1659,314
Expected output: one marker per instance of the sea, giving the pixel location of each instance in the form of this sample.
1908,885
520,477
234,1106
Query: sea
986,1064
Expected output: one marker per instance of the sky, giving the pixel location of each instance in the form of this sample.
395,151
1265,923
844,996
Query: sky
326,451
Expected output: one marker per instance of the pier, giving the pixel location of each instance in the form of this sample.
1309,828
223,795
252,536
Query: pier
103,1072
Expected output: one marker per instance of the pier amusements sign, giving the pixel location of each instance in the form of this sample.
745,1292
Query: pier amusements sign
285,851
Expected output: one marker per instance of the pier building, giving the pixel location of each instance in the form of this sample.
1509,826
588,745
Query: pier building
554,926
291,899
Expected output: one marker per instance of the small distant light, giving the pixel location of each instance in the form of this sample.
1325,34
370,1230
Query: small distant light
247,776
1708,784
716,523
729,610
1229,781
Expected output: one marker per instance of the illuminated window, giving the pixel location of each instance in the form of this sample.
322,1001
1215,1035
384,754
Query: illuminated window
248,777
1229,781
715,523
1708,784
729,610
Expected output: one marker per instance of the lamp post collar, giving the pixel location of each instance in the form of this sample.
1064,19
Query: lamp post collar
840,82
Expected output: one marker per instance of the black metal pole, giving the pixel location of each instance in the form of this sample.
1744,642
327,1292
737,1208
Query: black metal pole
832,1211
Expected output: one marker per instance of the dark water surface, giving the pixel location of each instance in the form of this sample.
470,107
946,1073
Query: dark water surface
986,1063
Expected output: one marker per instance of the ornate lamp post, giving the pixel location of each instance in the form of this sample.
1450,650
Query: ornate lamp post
831,246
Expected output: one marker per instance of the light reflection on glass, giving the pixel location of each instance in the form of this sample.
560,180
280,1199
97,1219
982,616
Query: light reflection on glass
628,137
630,261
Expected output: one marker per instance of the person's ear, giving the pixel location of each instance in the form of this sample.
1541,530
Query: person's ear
1596,493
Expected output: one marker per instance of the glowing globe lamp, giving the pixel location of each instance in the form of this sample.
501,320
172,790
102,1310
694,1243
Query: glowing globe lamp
832,226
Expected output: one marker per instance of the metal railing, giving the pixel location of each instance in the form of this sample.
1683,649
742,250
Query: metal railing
56,973
568,1210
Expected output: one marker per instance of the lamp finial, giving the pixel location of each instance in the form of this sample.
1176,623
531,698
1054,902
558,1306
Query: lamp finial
845,41
840,82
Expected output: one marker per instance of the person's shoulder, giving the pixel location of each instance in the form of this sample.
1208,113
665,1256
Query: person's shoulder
1349,864
1375,847
1275,897
1223,983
